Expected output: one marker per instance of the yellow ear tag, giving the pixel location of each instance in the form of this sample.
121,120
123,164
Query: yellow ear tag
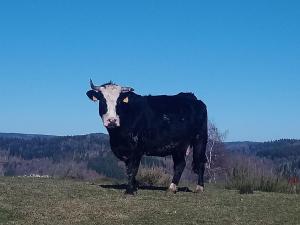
126,100
95,99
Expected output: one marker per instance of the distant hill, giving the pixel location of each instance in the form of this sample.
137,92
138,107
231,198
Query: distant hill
31,136
71,156
285,153
80,154
241,146
283,148
24,136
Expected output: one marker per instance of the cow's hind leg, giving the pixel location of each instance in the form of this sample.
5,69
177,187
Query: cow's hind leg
179,165
132,167
199,160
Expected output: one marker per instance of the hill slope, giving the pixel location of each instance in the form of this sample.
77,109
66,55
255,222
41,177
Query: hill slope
285,153
24,136
84,156
51,201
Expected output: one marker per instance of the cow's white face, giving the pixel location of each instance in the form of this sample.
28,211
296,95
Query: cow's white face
108,95
111,94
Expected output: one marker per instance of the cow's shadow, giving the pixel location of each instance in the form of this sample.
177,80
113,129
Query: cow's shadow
142,187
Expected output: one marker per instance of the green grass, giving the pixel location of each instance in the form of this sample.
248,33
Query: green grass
51,201
4,215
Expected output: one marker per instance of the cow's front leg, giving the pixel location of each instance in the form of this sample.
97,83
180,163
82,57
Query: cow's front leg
132,166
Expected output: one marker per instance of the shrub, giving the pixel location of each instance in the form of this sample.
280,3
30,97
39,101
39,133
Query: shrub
153,176
246,189
250,174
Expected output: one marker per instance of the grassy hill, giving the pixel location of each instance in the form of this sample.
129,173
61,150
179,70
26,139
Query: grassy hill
52,201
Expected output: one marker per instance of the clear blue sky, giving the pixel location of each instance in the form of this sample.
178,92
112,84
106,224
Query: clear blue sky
241,57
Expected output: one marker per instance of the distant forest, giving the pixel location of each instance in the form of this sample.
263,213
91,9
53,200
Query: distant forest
89,156
285,153
82,156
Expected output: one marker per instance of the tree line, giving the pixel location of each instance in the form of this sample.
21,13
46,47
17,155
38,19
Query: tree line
89,156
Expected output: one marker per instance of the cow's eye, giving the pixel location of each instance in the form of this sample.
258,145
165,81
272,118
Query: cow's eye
126,100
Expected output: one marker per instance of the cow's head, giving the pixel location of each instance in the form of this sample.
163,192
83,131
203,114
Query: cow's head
109,96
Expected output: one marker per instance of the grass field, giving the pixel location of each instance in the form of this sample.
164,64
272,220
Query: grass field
51,201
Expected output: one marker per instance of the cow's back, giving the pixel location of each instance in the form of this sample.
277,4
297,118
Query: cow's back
180,104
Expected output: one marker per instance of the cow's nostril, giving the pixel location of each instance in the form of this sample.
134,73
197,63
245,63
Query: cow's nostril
112,123
112,120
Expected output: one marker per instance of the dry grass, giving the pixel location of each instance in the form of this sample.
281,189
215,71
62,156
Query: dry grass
256,174
50,201
153,176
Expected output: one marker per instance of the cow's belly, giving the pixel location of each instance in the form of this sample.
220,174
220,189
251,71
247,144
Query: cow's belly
167,139
163,139
163,150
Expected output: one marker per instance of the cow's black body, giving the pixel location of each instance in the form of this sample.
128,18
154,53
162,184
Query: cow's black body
159,126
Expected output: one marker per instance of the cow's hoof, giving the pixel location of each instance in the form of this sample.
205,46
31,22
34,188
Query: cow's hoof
199,189
173,188
172,191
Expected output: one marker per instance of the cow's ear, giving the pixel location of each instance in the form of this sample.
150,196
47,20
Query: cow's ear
93,95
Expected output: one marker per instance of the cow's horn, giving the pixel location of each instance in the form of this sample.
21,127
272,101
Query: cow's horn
96,88
127,89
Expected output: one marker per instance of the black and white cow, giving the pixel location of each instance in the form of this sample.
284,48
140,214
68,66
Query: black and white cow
153,126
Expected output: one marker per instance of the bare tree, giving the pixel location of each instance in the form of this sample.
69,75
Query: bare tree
215,152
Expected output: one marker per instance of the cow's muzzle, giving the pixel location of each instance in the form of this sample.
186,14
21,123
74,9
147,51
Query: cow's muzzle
112,123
